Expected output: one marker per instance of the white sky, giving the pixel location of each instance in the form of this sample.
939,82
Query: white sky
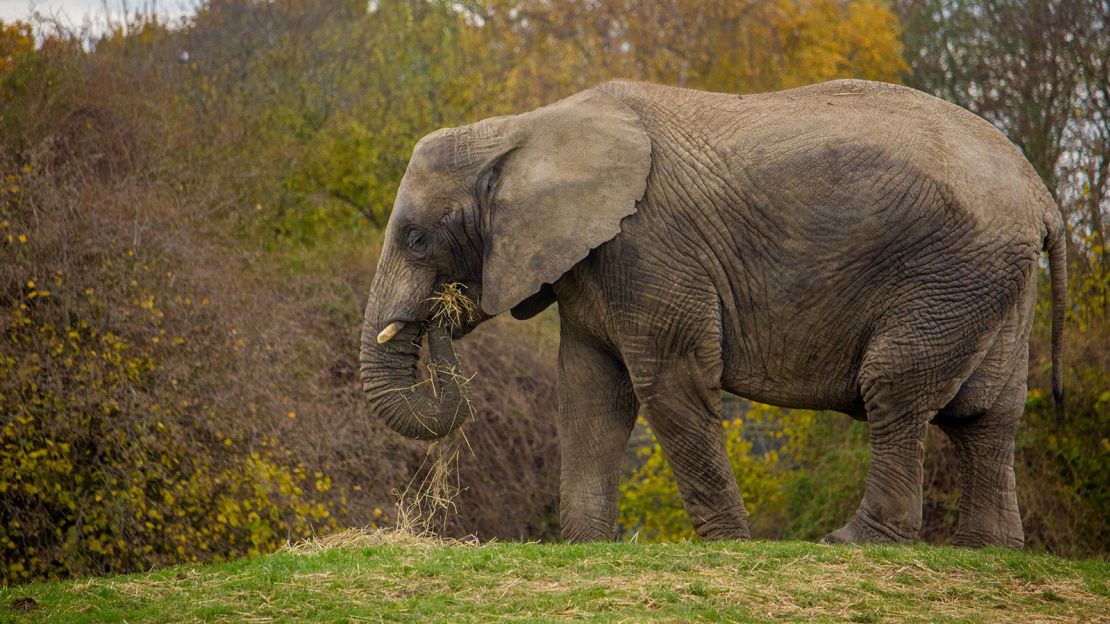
75,11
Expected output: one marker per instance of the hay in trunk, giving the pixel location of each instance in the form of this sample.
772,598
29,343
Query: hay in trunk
452,308
426,505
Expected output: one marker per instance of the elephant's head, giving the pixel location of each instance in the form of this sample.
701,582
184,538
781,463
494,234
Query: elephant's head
504,207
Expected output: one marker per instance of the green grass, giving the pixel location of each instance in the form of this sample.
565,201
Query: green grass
379,578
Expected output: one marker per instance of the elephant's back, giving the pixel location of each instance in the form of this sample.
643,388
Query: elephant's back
857,136
871,127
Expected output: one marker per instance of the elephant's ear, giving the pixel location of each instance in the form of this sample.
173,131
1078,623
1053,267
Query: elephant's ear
573,171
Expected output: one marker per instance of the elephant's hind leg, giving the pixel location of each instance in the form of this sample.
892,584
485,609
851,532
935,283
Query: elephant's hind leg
903,381
891,508
982,421
988,512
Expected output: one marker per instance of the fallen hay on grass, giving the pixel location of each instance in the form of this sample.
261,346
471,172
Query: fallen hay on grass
349,539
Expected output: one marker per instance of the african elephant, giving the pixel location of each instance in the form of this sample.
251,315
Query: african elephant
851,246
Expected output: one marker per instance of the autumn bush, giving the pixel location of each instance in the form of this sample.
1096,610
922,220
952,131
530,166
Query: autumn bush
178,381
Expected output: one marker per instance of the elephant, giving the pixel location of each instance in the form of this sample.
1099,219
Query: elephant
851,246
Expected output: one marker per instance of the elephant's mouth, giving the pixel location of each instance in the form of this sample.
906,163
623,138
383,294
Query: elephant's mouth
455,308
452,308
396,327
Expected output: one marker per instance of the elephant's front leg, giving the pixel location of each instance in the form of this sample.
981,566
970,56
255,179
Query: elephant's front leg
597,410
682,402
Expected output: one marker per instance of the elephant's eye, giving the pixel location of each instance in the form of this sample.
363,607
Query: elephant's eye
417,241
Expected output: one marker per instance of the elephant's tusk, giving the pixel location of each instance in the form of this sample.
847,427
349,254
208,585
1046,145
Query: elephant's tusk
390,331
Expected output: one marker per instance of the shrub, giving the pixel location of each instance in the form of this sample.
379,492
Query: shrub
797,485
112,460
178,382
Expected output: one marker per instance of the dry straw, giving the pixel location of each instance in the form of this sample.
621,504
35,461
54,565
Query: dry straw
426,505
451,307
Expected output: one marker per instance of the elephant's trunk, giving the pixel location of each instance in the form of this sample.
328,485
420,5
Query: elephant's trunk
389,378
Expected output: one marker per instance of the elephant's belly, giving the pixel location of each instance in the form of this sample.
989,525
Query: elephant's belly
837,391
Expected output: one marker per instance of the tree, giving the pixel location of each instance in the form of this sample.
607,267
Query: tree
16,40
567,45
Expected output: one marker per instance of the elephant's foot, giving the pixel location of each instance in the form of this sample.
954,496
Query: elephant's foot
578,527
581,537
734,533
862,529
731,524
990,517
981,539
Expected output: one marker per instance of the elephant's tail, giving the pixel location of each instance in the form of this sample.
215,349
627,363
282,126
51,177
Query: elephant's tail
1056,245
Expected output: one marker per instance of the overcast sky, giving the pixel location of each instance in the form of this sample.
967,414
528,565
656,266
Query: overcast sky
75,11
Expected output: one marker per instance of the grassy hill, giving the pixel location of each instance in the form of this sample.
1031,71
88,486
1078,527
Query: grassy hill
385,577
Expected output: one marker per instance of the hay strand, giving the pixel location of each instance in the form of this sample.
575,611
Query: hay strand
427,502
451,307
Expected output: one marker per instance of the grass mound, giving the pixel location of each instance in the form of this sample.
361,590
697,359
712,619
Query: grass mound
387,576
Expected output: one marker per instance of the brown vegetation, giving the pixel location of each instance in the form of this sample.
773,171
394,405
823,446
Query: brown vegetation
170,390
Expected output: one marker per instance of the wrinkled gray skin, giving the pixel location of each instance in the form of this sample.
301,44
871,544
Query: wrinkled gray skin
850,246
